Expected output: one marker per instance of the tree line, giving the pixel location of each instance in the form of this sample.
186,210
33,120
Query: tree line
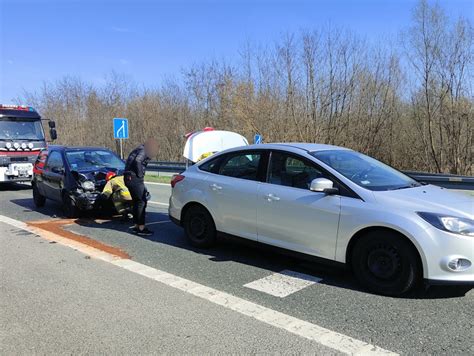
407,101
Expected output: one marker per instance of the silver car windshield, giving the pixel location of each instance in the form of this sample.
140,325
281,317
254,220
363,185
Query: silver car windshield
365,171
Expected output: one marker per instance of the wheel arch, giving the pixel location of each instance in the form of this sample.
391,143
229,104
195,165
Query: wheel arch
189,205
359,234
34,184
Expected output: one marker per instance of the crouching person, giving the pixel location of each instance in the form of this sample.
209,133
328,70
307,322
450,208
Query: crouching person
119,193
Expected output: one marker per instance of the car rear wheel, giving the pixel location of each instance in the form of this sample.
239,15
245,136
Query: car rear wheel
385,263
38,199
70,209
199,227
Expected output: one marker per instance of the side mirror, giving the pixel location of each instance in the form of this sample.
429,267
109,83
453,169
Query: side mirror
53,134
57,170
323,185
52,124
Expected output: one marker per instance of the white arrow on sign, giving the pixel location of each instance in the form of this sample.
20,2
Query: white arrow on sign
122,128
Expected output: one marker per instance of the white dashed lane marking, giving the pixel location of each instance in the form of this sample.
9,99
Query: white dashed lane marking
283,283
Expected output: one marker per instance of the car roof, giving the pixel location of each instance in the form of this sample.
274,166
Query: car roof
75,148
308,147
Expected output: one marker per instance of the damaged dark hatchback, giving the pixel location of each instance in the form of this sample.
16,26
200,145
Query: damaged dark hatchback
73,176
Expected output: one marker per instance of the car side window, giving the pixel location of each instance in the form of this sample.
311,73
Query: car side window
55,160
243,165
288,170
210,166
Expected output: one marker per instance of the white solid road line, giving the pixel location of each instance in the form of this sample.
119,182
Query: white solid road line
156,183
323,336
158,203
158,222
283,283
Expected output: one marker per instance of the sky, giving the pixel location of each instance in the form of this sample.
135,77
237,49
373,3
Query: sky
150,41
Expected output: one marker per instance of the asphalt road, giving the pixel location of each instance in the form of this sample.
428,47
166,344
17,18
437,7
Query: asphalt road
437,321
56,301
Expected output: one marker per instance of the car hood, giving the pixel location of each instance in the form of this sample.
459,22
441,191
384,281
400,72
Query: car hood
429,198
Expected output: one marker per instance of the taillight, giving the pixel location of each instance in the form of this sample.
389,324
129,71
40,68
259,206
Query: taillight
176,179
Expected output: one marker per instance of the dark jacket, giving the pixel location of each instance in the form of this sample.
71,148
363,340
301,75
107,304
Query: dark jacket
137,162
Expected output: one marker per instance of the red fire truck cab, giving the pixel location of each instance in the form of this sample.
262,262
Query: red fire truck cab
21,139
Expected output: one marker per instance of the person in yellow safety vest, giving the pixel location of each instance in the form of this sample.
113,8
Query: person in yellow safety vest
204,155
118,191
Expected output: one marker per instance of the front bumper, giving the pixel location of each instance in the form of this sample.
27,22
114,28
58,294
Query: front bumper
440,249
86,200
16,172
434,282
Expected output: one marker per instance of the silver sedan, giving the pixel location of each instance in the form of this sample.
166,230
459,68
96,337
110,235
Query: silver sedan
335,204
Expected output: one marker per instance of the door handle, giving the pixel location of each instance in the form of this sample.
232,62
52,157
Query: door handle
215,187
271,197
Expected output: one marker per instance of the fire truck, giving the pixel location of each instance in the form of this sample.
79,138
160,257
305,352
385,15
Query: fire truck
21,139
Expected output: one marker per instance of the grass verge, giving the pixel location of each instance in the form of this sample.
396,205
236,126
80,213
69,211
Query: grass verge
153,178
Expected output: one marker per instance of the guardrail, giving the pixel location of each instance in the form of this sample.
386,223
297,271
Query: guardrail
449,181
168,167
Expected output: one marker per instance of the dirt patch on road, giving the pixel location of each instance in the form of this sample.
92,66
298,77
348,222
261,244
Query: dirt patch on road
56,226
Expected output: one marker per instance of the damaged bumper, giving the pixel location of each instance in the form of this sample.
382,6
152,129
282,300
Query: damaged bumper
86,200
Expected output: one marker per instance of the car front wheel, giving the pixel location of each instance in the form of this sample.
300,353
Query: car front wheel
385,263
199,227
38,199
69,207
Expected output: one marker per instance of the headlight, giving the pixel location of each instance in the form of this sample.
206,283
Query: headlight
88,185
457,225
8,145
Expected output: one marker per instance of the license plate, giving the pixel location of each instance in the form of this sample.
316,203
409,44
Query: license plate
23,173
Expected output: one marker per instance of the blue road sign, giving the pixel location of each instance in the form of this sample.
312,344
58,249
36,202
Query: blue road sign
257,139
120,128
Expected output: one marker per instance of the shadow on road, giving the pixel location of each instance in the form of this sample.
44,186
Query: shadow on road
51,209
238,250
261,256
14,187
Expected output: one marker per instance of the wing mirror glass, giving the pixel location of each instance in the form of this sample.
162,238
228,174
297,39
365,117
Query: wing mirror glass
323,185
52,130
57,170
53,134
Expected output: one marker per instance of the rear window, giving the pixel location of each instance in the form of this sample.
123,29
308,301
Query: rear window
210,166
243,165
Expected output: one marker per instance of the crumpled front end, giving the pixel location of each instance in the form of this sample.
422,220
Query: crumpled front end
86,200
88,189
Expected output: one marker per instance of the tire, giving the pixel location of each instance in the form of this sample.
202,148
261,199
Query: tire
38,199
199,227
385,263
69,207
